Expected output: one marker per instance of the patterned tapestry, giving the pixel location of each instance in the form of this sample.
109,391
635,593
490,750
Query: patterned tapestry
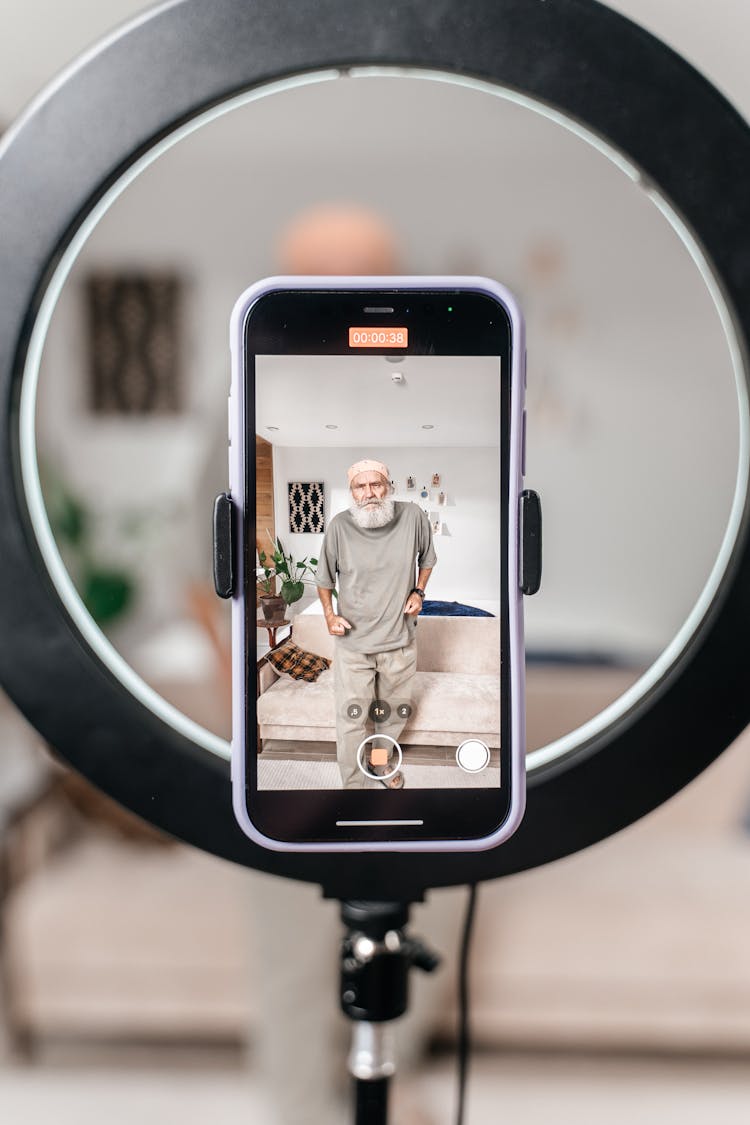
306,506
134,334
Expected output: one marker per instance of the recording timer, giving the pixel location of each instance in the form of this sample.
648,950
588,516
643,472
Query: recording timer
378,337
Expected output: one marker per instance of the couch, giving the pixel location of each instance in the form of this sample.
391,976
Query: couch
639,943
455,693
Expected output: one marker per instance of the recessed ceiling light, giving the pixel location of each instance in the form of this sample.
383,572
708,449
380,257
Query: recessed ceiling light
428,426
330,426
272,427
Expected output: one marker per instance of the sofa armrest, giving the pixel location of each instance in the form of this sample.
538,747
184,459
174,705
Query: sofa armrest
267,675
36,833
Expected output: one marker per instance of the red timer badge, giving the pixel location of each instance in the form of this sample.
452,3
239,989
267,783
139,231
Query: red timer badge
378,337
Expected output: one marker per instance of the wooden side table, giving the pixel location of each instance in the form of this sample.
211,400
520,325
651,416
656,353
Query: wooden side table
272,626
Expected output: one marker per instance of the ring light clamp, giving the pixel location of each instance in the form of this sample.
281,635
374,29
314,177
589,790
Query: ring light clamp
90,132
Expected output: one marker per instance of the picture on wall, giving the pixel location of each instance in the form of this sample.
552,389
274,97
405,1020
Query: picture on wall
307,506
134,343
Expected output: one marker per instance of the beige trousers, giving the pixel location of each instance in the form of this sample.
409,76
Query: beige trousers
361,680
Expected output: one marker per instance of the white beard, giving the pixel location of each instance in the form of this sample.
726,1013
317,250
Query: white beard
373,517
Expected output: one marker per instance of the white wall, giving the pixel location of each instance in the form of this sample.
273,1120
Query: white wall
467,569
632,410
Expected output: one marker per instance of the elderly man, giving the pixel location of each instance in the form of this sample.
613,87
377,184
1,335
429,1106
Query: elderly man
369,555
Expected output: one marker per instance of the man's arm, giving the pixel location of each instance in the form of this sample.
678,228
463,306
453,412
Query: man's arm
337,625
326,573
425,553
414,602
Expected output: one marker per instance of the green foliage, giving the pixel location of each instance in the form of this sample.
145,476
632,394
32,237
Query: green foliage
106,591
291,571
71,524
292,591
106,594
268,571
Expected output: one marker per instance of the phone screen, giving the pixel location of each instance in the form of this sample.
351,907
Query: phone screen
376,565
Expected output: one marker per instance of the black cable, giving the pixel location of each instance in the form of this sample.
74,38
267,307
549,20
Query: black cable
464,1038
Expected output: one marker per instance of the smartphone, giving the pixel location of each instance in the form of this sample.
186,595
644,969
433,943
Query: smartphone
376,432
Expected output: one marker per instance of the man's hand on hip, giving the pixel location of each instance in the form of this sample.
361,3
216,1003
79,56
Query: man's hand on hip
413,605
337,625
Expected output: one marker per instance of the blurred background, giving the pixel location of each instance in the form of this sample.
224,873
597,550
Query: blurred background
612,982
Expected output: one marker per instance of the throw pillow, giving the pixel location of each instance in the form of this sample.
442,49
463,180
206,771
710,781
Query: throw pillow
288,659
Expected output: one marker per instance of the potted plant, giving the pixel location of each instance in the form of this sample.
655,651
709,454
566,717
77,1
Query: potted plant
292,573
107,590
272,605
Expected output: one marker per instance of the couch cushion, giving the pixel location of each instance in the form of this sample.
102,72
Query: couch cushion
310,632
294,703
444,644
459,644
455,703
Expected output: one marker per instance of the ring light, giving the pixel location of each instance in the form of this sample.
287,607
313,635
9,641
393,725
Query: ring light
85,139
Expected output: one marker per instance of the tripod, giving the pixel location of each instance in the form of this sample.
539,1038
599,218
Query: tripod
376,955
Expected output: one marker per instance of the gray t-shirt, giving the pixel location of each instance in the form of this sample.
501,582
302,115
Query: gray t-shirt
373,570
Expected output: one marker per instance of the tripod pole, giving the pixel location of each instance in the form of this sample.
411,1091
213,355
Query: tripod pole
376,956
371,1064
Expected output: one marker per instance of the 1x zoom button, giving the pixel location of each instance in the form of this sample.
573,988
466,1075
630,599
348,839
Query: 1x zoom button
380,711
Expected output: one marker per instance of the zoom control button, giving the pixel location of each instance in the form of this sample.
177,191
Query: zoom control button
354,710
380,711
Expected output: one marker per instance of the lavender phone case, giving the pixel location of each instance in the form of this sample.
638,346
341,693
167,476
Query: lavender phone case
515,601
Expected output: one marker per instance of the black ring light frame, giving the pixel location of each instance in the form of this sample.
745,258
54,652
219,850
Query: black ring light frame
175,63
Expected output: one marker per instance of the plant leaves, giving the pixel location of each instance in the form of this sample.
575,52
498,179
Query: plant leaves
106,594
70,520
292,591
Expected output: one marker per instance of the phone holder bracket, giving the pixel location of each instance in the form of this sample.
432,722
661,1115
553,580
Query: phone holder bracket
224,545
530,569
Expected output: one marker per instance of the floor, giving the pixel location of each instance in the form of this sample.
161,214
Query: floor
524,1089
280,774
314,767
278,748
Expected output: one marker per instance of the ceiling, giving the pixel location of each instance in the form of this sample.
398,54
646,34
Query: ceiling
357,394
